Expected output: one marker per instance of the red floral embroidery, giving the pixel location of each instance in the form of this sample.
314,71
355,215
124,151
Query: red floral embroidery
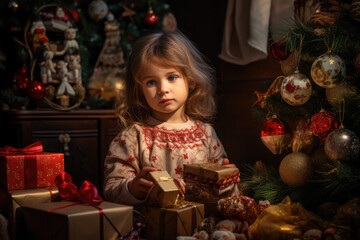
178,170
154,158
132,173
184,138
109,153
218,144
214,147
186,156
216,160
123,142
116,140
131,158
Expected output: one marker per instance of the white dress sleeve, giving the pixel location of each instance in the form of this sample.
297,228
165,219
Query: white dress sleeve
121,165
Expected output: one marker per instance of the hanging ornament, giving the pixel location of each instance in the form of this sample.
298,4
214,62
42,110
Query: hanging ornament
303,139
342,145
323,123
296,169
355,10
275,134
336,94
328,70
150,18
279,50
36,90
97,9
296,89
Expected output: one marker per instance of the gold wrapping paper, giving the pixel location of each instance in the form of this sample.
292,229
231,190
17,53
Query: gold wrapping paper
76,222
212,171
168,223
18,198
285,220
209,172
164,191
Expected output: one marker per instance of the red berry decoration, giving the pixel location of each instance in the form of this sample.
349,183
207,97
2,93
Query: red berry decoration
21,78
150,18
279,51
36,90
275,134
323,123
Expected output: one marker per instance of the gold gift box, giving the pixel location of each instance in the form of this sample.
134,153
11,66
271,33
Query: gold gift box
164,191
15,199
168,223
213,177
72,221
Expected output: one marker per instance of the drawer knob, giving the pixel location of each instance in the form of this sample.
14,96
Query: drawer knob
65,138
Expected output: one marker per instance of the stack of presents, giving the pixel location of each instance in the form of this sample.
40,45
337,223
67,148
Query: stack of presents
41,202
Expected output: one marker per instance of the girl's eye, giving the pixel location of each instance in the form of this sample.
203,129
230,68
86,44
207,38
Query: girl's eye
150,83
172,78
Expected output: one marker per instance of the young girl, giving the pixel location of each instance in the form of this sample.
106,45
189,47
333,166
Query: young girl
169,102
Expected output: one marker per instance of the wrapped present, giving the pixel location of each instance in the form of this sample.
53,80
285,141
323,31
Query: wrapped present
164,192
15,199
212,177
74,221
85,216
29,167
168,223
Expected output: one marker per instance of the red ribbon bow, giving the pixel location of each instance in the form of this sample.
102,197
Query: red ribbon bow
36,147
88,192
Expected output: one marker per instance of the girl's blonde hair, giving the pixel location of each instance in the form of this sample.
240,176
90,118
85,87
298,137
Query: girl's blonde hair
167,49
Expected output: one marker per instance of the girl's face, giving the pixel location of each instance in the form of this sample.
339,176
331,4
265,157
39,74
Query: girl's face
166,92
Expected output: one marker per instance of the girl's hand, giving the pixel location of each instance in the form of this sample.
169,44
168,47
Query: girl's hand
226,163
139,186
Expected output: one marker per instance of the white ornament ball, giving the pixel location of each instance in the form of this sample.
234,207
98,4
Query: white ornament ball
296,89
328,70
97,9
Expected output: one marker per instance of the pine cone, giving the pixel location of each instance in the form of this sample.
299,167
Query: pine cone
329,13
355,10
323,19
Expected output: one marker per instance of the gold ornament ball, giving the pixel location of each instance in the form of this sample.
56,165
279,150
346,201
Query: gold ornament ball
296,169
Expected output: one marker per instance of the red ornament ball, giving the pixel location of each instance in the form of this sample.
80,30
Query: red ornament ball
273,127
151,19
36,90
323,123
279,51
275,134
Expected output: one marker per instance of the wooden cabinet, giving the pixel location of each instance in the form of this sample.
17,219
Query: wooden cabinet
82,135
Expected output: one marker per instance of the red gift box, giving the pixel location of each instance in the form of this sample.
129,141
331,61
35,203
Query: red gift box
29,167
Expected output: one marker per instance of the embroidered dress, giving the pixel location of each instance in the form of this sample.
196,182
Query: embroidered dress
162,145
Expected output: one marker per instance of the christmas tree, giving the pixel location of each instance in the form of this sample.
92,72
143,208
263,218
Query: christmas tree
311,114
26,85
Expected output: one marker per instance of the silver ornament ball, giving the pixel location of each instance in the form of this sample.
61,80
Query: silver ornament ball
342,145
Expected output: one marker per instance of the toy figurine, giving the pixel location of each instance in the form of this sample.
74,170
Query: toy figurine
65,86
39,37
71,46
49,66
74,67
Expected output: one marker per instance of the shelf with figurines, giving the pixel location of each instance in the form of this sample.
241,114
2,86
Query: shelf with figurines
54,57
